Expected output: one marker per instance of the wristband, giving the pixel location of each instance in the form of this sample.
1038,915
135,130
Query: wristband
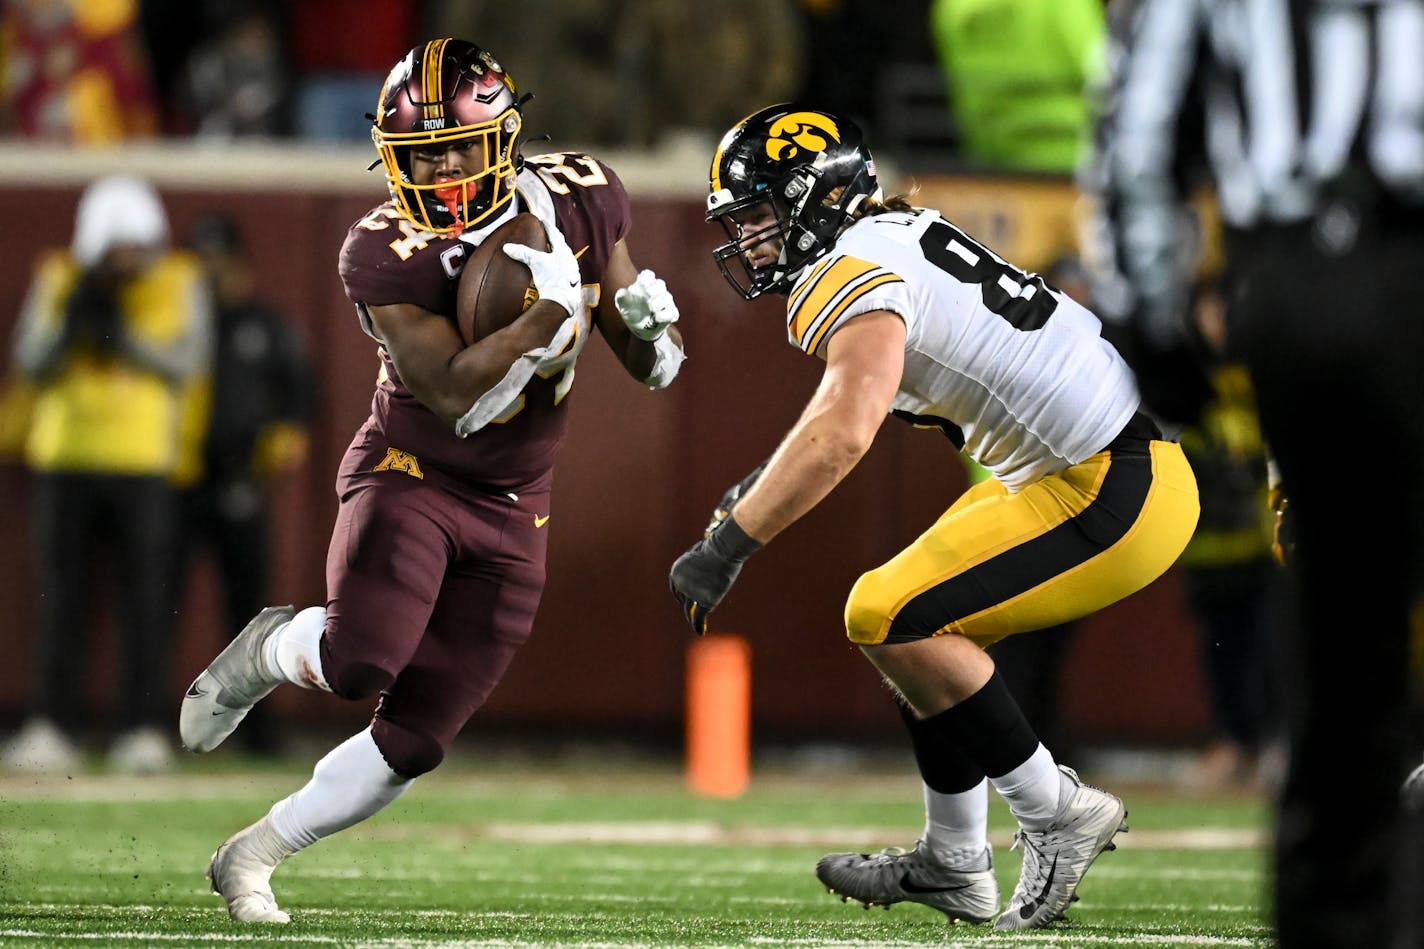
730,542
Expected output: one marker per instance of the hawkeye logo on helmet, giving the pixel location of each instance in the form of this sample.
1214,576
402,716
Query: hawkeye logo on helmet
800,131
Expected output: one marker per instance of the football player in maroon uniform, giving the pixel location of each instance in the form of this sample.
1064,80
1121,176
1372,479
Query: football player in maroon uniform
436,561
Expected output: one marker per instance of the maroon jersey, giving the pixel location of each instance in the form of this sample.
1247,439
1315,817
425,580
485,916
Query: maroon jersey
386,259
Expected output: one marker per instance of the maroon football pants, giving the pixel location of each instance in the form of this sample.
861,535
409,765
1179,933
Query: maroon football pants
432,588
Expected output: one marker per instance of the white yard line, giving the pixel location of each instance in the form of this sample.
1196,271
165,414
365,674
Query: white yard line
710,833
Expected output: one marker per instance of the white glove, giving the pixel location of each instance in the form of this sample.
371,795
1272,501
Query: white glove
646,306
555,272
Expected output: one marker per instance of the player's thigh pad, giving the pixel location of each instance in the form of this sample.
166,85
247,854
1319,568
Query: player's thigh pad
998,563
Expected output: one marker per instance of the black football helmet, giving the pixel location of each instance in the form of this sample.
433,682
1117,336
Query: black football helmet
444,91
811,167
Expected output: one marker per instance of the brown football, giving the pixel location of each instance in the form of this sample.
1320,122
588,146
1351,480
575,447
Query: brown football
494,287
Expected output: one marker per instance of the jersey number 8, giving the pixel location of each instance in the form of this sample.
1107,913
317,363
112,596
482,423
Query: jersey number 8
1022,299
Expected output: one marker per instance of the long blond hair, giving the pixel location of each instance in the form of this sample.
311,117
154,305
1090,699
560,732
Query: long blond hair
871,206
893,202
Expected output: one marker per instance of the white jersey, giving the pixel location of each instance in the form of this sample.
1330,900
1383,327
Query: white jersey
1016,372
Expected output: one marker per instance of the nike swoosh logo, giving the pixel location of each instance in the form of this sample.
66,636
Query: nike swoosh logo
910,886
540,521
1028,909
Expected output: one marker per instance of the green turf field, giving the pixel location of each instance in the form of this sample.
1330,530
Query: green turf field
605,852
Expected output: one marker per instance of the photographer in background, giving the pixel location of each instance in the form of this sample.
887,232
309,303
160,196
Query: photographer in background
115,340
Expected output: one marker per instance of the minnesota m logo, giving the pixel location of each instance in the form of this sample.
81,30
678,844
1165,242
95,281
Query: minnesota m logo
397,460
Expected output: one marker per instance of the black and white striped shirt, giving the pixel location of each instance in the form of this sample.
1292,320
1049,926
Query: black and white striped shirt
1296,99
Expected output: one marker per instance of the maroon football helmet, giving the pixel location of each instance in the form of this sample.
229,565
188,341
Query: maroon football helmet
446,91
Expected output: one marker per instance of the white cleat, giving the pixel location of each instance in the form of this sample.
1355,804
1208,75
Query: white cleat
223,693
241,873
1056,858
894,876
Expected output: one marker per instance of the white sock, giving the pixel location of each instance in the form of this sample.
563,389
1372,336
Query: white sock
956,826
269,846
1031,790
294,650
350,784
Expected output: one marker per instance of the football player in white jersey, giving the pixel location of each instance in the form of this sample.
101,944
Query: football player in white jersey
1088,502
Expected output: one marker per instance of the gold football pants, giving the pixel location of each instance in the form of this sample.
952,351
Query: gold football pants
998,563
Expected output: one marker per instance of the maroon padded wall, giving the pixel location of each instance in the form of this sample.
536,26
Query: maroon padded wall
638,476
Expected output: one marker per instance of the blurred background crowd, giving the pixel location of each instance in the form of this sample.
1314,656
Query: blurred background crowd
620,72
986,105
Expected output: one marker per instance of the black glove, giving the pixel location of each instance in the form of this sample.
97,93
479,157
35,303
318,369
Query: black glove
731,497
702,576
